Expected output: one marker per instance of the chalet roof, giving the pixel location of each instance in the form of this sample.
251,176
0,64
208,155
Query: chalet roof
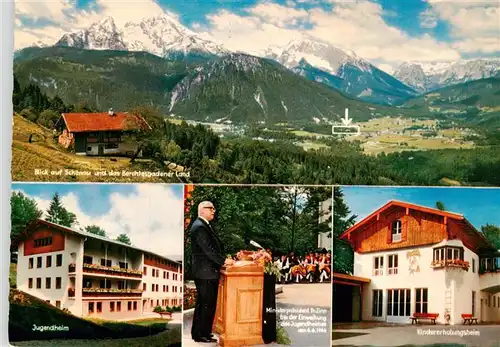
104,121
482,240
82,233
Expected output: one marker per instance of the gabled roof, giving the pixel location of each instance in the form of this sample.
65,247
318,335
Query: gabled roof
38,222
103,121
400,204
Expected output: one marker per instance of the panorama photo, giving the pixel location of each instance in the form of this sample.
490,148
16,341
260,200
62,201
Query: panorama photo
292,92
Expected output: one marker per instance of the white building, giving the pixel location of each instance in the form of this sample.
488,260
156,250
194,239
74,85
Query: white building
94,276
412,259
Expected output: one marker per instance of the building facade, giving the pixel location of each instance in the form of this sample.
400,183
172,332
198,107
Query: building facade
413,259
94,276
98,134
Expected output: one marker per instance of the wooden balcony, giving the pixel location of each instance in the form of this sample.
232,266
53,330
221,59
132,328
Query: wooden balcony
106,292
451,263
108,270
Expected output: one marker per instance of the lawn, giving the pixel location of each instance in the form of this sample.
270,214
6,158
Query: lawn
45,153
307,133
26,311
170,338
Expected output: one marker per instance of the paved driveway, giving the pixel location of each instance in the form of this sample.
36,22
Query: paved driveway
422,335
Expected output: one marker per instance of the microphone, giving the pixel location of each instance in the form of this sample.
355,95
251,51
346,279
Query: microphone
253,243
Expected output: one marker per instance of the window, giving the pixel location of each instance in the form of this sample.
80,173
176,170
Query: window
129,306
99,307
30,282
59,260
377,303
157,302
105,284
396,231
46,241
112,306
47,283
91,307
87,259
168,275
30,263
123,265
164,274
135,305
118,306
106,262
393,264
167,288
448,253
398,302
58,282
145,271
87,283
38,283
378,266
48,262
421,300
156,287
58,304
144,287
473,265
39,262
121,285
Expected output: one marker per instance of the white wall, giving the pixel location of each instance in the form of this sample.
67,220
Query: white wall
24,273
455,283
160,295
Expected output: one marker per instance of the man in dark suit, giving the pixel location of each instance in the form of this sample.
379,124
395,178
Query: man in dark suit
207,260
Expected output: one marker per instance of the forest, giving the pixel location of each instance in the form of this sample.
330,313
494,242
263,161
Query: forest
283,219
212,159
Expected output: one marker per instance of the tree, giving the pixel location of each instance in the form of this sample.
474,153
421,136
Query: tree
124,239
58,214
492,233
94,229
48,118
440,206
343,255
23,211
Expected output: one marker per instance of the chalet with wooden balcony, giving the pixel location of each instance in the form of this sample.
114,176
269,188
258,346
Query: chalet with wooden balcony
99,134
413,259
91,275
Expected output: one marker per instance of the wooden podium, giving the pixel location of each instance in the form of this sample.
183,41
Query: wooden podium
238,318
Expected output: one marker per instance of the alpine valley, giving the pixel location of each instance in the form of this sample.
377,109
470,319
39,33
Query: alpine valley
164,36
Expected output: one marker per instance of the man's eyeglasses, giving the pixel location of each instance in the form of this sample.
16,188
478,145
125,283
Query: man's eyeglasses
210,208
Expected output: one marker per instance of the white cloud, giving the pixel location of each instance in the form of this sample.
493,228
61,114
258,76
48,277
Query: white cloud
386,68
152,217
67,18
356,26
475,24
428,19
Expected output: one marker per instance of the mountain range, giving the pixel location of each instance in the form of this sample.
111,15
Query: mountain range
163,35
236,88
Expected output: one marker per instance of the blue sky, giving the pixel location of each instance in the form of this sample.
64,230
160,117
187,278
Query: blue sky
384,32
150,214
479,205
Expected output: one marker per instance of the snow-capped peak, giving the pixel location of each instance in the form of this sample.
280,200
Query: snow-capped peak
319,54
426,76
161,35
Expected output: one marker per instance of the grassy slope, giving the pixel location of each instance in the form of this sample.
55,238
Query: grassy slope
27,310
45,153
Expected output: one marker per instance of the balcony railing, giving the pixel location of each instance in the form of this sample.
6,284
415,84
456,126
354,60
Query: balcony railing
110,292
451,263
108,270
